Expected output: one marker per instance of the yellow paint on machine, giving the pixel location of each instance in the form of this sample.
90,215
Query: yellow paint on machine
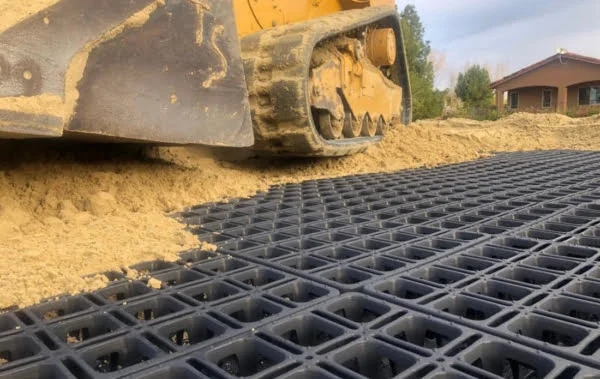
253,16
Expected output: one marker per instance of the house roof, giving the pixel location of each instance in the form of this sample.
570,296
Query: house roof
577,57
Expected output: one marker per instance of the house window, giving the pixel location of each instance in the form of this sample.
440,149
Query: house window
513,100
547,98
589,95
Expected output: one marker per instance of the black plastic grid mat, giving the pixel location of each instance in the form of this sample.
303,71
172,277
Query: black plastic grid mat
486,269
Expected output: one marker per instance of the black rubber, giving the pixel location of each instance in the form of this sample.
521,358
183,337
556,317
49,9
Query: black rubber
486,269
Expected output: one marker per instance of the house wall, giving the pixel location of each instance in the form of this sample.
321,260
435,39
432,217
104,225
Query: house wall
564,75
573,100
530,99
555,74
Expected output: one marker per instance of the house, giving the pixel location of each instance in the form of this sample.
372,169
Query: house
562,83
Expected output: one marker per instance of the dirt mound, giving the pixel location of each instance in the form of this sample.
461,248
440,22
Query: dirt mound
69,211
540,119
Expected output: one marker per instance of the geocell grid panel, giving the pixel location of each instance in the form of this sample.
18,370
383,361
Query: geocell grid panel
486,269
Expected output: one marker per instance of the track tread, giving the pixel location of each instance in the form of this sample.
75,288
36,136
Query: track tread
276,63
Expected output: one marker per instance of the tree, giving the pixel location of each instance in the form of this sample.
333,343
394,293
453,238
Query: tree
427,103
473,87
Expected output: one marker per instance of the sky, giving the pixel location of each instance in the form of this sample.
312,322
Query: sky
505,35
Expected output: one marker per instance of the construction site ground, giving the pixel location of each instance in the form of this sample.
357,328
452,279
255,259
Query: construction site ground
70,211
484,269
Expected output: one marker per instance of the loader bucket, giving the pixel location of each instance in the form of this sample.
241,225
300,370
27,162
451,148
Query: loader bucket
162,71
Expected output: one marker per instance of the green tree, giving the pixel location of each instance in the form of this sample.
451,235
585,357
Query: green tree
427,102
473,87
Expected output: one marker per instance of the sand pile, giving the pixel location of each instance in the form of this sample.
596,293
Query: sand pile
69,210
542,119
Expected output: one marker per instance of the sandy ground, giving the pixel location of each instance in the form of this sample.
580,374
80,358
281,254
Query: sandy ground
68,211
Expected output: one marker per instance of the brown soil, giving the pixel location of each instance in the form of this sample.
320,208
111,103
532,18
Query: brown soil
68,211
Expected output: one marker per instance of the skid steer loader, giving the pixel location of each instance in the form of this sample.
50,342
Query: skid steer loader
289,77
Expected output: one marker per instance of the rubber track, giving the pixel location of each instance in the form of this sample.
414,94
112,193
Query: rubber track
487,269
277,64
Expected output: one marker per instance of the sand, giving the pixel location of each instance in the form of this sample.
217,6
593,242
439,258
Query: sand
68,211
